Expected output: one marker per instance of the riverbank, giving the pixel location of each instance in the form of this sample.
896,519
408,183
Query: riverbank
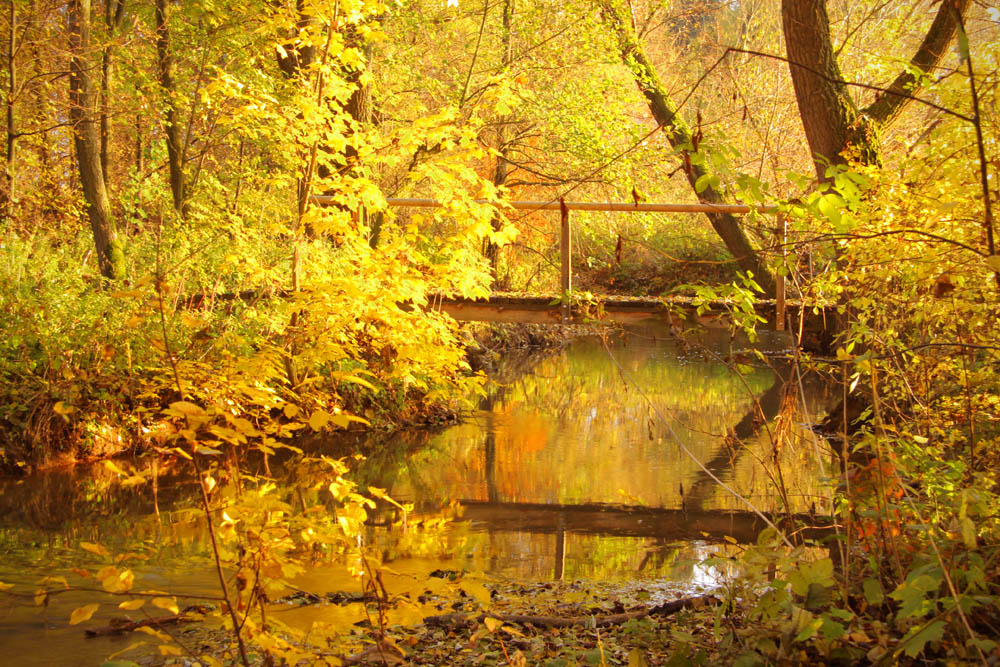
524,623
487,343
38,432
556,624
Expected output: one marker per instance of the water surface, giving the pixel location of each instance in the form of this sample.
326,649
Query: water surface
600,462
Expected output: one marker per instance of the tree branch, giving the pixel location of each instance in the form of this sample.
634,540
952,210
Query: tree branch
853,84
887,107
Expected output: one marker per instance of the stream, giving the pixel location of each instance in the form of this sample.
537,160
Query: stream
601,461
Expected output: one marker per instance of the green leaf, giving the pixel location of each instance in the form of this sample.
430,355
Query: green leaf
817,572
984,645
748,659
706,181
817,597
187,409
832,630
873,591
968,530
831,205
356,380
913,593
916,639
809,630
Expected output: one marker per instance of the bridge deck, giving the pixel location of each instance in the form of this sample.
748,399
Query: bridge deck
671,310
675,310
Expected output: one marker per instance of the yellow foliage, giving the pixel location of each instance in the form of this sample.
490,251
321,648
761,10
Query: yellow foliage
83,613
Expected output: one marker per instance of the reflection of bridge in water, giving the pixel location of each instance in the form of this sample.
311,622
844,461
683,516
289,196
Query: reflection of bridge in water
629,521
689,523
632,521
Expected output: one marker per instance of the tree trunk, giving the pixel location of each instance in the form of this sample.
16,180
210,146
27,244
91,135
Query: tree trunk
500,174
293,61
665,112
9,193
114,11
835,127
295,57
82,112
140,162
172,128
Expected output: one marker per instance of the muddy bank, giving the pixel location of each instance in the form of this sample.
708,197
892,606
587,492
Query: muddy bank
488,343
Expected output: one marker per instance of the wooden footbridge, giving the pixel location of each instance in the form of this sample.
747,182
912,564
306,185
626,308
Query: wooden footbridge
568,307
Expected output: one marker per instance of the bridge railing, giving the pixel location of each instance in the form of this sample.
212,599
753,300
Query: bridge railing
566,236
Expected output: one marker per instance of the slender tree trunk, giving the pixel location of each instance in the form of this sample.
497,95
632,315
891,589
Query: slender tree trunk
105,124
295,56
293,63
502,170
83,111
140,161
359,106
9,194
172,128
665,112
114,10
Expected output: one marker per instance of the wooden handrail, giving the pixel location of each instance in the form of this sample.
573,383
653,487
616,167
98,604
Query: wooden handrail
565,240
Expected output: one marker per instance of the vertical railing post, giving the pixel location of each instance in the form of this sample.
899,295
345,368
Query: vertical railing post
566,258
779,282
560,568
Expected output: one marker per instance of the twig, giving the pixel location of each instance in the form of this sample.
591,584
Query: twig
977,122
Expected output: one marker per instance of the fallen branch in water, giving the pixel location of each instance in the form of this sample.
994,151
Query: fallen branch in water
121,626
666,609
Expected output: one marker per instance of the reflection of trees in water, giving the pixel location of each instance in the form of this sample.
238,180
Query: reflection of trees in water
771,434
763,410
573,431
574,418
56,499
